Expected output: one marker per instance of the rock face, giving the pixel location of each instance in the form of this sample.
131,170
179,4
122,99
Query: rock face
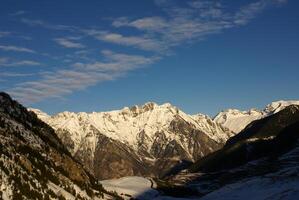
34,164
142,140
236,120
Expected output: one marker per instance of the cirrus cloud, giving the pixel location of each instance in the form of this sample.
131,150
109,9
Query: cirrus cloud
68,43
62,82
16,48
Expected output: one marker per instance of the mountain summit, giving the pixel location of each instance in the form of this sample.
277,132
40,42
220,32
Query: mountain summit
236,120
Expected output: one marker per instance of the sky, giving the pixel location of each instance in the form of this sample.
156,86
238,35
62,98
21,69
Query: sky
100,55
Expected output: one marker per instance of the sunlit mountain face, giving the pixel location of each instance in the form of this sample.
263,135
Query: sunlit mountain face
156,99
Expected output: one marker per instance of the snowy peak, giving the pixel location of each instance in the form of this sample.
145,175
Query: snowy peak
147,107
236,120
277,106
124,125
40,114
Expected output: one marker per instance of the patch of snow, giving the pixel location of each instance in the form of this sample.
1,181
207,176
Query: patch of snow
5,187
258,189
256,139
133,186
60,191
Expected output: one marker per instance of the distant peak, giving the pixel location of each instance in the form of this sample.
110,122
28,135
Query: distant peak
35,110
167,105
151,104
66,113
283,102
39,113
147,107
276,106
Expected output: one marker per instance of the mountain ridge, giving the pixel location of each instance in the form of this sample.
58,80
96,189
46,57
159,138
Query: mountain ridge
147,139
236,120
159,135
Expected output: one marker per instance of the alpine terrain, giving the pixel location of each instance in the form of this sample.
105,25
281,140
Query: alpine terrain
149,140
236,120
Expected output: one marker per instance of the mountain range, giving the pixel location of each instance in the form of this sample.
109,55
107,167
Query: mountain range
148,140
143,140
67,155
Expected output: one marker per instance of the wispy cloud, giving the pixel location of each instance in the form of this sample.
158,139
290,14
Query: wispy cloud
25,37
138,41
68,43
194,21
16,48
21,63
43,24
15,74
247,13
18,13
13,34
7,62
62,82
149,23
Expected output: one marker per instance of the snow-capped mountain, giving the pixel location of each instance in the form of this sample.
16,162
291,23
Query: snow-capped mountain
148,136
236,120
150,139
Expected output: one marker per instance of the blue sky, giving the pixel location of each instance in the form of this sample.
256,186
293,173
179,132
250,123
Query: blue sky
202,56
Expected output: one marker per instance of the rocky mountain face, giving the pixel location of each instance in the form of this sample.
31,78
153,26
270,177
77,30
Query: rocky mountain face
34,164
236,120
142,140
